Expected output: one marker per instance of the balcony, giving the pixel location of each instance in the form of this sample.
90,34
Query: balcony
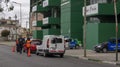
49,3
51,20
39,8
37,23
51,31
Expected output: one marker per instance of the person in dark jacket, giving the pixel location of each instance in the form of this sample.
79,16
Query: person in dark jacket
21,42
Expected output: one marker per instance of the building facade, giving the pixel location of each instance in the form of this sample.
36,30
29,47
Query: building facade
10,25
65,17
101,21
45,18
58,17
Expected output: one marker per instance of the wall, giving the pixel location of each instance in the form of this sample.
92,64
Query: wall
72,19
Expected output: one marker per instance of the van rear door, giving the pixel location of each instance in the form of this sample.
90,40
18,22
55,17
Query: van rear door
57,44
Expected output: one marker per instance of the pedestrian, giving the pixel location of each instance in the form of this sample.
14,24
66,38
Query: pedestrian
28,44
21,42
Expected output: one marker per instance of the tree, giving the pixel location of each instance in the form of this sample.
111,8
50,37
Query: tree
5,33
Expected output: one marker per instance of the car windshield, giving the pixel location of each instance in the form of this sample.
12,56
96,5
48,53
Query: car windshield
36,42
114,40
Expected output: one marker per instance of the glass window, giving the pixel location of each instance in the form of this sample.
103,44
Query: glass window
97,1
36,42
56,40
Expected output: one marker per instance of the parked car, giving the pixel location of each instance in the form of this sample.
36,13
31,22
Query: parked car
34,44
107,46
52,45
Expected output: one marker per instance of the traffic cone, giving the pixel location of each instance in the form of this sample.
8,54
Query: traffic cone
29,54
13,49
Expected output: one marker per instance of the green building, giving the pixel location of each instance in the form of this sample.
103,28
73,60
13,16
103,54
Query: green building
44,17
59,17
101,21
65,17
72,19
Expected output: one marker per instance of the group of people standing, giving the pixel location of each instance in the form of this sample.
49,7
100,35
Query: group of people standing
20,42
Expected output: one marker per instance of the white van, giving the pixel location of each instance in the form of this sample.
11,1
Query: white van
52,45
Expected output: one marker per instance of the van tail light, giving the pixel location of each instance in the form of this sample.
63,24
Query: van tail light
48,43
64,43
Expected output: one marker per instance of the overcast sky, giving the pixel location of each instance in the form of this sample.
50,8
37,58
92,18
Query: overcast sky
25,11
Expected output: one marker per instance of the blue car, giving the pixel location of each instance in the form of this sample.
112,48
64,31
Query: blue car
107,46
72,44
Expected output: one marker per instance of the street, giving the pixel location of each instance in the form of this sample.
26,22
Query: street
13,59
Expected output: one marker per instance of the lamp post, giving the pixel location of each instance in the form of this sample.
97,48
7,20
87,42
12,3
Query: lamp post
20,11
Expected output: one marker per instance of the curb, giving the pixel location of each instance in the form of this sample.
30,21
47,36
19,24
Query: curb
96,60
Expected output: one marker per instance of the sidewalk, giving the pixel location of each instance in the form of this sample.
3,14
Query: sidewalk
8,43
79,53
92,55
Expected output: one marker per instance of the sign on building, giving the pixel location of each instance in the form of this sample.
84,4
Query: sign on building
45,20
91,9
45,3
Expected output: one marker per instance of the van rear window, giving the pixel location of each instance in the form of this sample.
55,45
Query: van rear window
56,40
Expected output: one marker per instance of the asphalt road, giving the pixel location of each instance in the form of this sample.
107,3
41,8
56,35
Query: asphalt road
13,59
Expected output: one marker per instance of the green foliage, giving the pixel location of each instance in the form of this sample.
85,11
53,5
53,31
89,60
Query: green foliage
5,33
11,8
1,9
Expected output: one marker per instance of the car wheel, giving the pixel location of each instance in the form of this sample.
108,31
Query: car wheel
61,55
37,53
44,54
104,50
98,51
24,51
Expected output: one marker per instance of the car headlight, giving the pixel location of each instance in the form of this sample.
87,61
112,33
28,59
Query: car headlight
99,46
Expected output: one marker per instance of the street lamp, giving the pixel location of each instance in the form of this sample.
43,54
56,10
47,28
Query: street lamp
20,11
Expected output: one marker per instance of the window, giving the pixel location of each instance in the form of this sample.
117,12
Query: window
97,1
94,19
36,42
56,40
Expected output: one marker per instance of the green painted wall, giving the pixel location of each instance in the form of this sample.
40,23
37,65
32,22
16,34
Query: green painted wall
107,31
51,31
118,6
37,34
53,20
99,32
106,9
65,18
54,2
91,35
71,18
76,19
39,24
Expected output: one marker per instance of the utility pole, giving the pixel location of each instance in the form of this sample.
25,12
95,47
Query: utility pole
84,33
116,21
16,25
20,21
27,34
